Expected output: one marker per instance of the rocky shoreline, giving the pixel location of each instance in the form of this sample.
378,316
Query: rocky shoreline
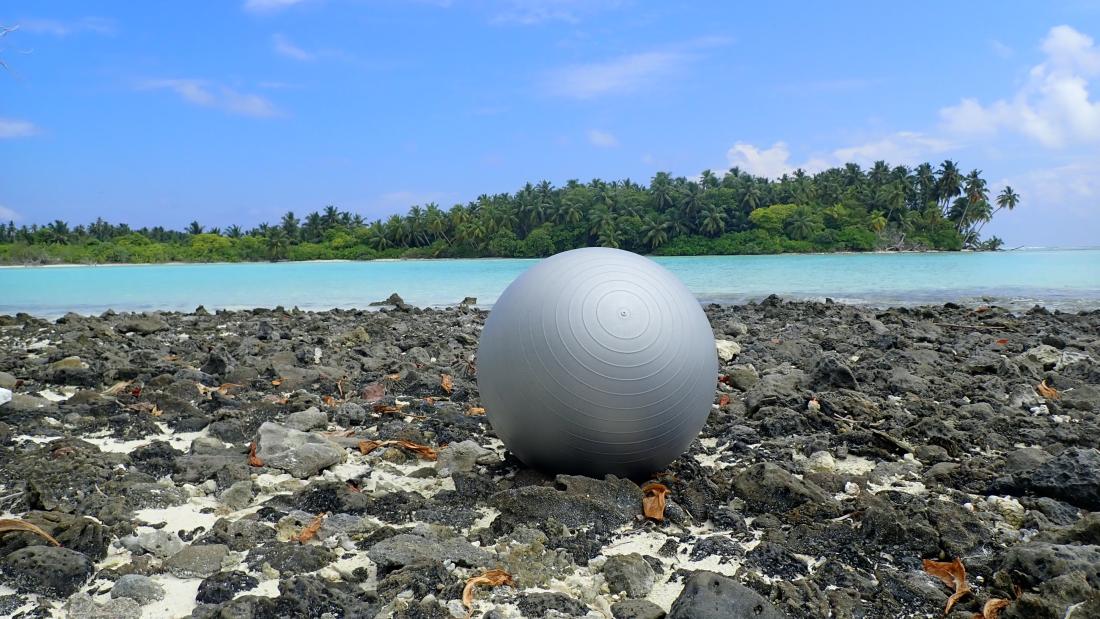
274,463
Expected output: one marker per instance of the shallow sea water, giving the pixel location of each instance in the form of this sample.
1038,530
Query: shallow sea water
1063,279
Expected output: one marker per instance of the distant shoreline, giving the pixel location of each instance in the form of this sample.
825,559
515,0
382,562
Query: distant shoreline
65,265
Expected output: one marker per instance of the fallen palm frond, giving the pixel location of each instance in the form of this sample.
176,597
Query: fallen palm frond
1047,391
492,578
952,574
253,459
992,609
310,530
653,500
13,524
423,451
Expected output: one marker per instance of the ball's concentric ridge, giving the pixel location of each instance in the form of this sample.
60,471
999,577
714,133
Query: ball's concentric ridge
597,361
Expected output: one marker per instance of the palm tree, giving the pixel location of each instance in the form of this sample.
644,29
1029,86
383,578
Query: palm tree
276,244
948,185
661,188
330,217
313,229
376,236
1007,199
713,221
600,219
289,225
570,211
801,225
194,228
751,200
691,200
708,180
233,232
655,231
878,222
436,222
976,196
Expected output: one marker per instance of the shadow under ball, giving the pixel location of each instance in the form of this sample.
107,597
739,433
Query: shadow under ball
597,361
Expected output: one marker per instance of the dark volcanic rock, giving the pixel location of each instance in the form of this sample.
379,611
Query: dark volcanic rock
538,604
290,558
223,586
1038,562
767,488
1072,476
707,595
575,501
49,570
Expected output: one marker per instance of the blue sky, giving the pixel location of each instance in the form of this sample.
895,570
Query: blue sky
237,111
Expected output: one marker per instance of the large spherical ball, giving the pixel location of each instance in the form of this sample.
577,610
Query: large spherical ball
597,361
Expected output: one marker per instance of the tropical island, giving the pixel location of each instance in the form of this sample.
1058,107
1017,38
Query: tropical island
840,209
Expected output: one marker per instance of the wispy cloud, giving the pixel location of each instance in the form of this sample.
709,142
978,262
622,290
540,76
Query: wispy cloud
60,28
15,128
7,214
204,94
531,12
284,47
621,75
629,73
1053,107
602,139
1001,49
269,6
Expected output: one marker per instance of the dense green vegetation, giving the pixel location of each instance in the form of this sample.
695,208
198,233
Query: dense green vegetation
840,209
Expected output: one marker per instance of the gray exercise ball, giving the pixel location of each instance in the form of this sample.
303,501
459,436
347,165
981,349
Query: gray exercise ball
597,361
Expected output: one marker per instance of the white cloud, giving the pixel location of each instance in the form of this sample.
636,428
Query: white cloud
1053,107
205,94
902,147
7,214
268,6
602,139
621,75
769,162
15,128
284,47
57,28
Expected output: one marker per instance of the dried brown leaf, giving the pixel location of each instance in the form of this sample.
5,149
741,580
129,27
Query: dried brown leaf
446,383
1047,391
311,529
393,377
155,411
653,500
14,524
492,578
423,451
952,574
373,392
384,409
277,382
475,411
328,400
253,459
723,399
992,608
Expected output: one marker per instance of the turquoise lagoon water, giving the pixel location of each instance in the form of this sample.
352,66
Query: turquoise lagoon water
1064,279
